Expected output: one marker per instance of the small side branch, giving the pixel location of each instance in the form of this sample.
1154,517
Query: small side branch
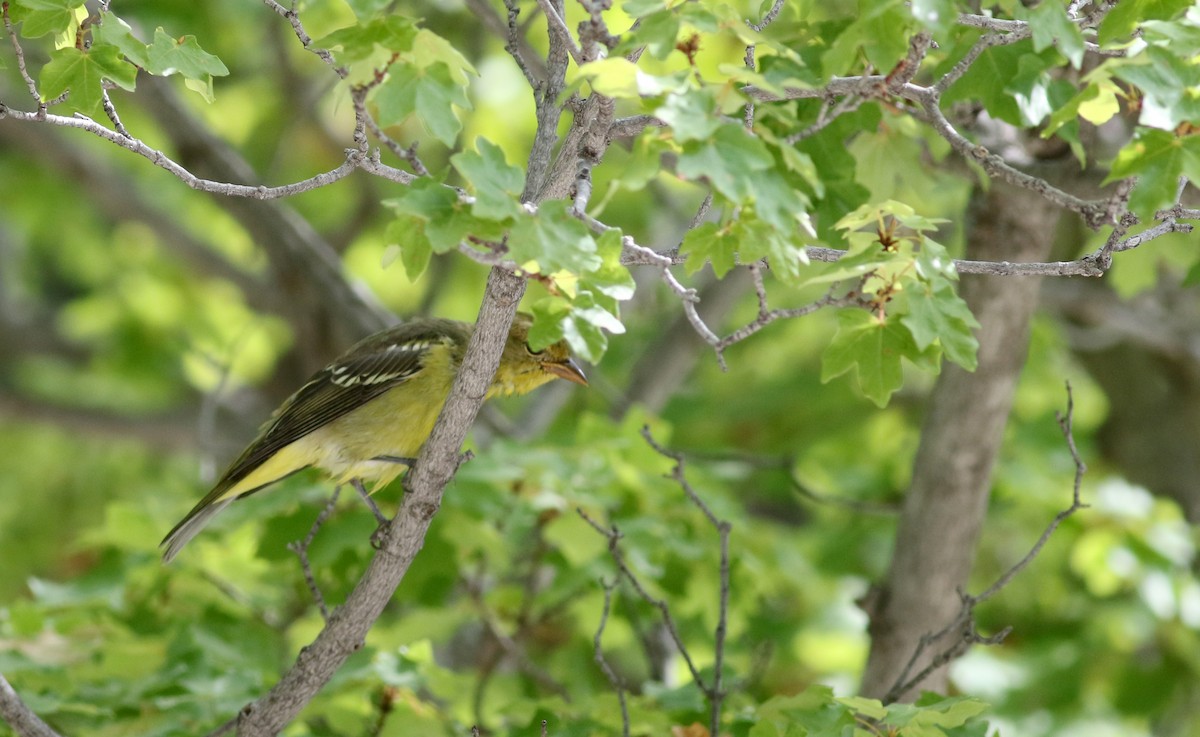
598,654
300,548
558,28
963,624
20,55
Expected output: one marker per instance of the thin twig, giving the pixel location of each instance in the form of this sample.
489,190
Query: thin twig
300,548
614,537
293,18
512,647
558,27
963,622
111,111
598,655
716,694
20,54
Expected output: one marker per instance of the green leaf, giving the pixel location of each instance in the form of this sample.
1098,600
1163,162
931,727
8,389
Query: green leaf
1128,15
935,313
407,234
988,78
367,8
1030,89
880,33
394,34
618,77
116,32
710,243
657,31
780,204
934,262
495,182
41,17
1158,158
612,280
936,15
548,315
167,56
446,222
429,93
729,160
83,73
871,348
582,324
1170,87
760,239
853,265
1053,28
692,116
553,240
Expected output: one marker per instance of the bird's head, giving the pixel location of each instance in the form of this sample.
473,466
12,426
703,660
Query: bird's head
522,370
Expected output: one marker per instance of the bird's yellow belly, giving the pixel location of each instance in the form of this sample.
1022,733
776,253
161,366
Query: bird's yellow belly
394,424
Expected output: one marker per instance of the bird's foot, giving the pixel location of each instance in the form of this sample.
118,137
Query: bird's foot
403,460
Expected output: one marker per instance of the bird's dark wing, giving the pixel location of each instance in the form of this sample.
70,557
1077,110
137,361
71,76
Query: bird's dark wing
372,367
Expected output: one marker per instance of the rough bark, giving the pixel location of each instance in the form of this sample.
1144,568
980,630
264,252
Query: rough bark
961,436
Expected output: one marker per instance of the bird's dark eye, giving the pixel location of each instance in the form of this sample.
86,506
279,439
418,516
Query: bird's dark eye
532,352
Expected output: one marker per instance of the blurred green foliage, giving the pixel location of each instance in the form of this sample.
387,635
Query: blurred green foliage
101,639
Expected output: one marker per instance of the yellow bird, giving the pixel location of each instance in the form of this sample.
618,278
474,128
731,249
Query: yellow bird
366,415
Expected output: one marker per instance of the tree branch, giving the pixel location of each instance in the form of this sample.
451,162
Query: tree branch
19,716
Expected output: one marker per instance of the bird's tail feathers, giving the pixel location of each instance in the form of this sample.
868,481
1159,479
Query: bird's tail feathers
187,529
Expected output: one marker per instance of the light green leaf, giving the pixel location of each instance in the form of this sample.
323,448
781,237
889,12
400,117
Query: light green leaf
407,234
872,708
116,32
1158,158
938,314
710,243
729,160
871,348
41,17
553,240
167,56
621,78
495,183
692,116
1051,27
1096,103
83,73
393,33
446,222
429,49
873,214
429,93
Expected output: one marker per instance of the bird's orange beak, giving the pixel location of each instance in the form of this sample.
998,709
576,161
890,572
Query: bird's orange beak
568,370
